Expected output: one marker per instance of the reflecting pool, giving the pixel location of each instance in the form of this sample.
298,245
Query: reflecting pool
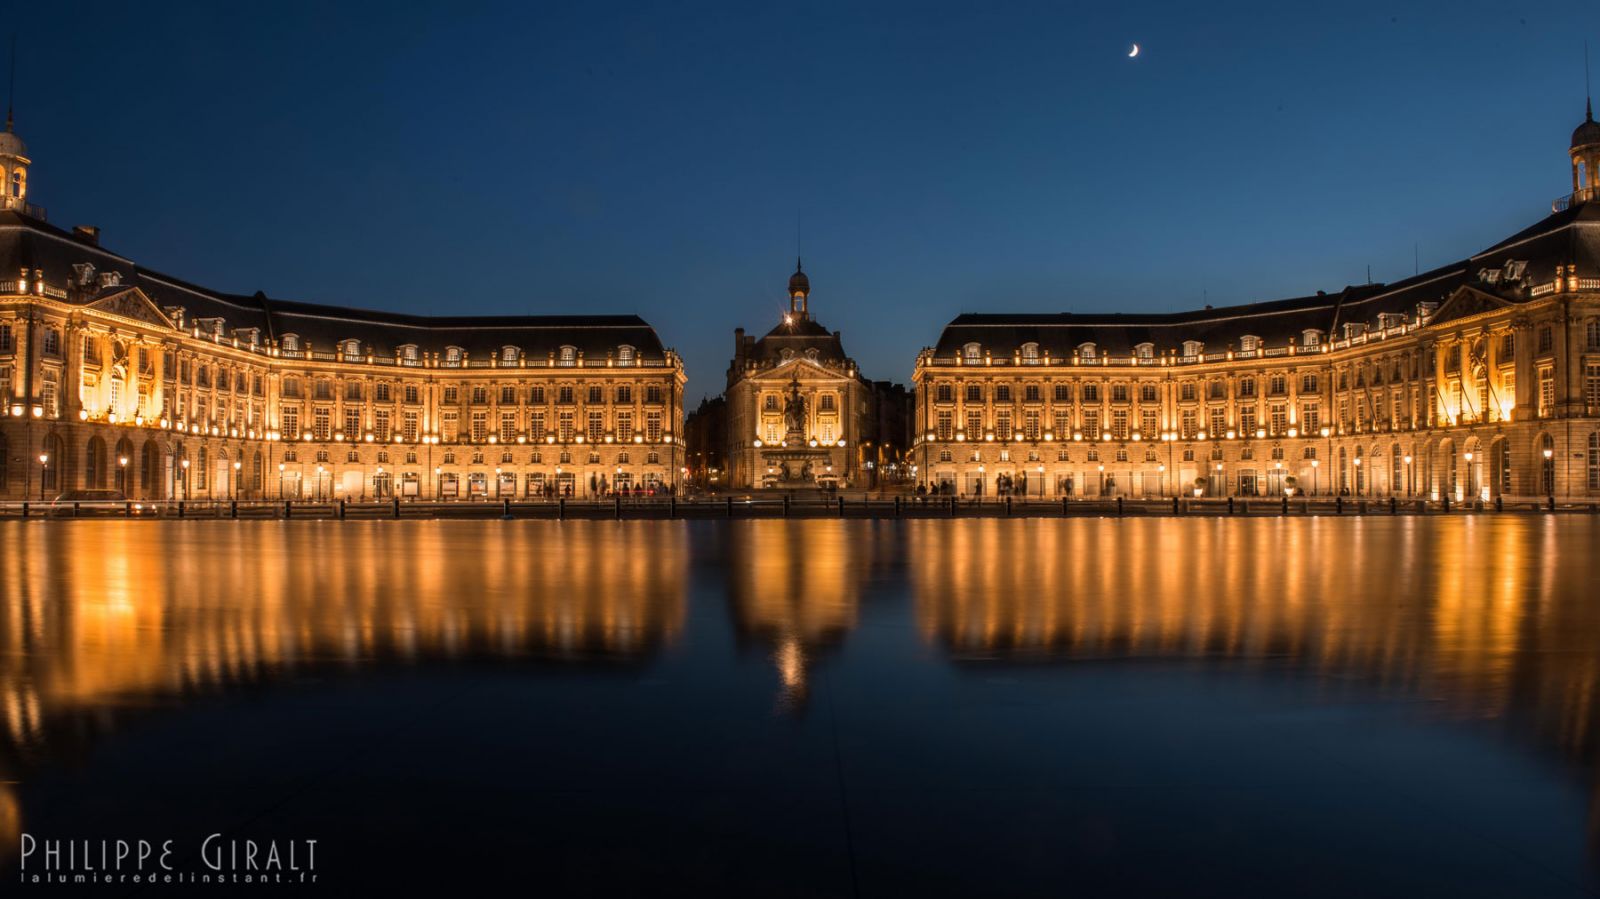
1276,706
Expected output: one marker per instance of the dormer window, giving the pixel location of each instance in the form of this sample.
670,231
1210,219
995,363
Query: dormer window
567,356
972,352
1387,320
453,356
291,343
1249,343
1352,330
1086,350
352,347
408,354
1311,337
786,354
1193,348
1145,351
812,354
1030,353
1425,311
625,355
508,355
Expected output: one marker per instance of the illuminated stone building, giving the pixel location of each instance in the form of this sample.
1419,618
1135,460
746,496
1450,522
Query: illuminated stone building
1471,381
799,413
115,376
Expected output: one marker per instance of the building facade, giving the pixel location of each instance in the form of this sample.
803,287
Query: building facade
799,413
1472,381
117,377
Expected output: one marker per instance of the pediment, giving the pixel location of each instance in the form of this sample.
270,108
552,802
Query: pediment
1465,303
133,303
799,367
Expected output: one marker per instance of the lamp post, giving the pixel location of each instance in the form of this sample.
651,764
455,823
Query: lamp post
438,483
184,478
44,472
1315,464
1470,481
1222,481
320,470
122,474
497,482
280,480
1360,484
236,466
1549,473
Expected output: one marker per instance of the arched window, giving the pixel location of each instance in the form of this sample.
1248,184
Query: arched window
1249,343
625,355
352,347
508,355
1591,334
1086,350
1594,462
1145,350
19,183
973,352
1192,348
291,343
409,352
567,355
1030,353
452,356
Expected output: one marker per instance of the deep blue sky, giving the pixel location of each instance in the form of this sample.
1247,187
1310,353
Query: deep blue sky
600,157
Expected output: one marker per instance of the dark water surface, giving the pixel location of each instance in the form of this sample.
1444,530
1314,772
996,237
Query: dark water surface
1312,706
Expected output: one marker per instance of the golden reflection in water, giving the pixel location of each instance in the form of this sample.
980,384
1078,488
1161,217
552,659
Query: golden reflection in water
1495,616
100,613
796,586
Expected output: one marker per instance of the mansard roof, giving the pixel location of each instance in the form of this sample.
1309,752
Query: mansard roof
1510,269
26,242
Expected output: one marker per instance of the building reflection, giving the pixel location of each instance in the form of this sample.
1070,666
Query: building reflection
100,617
795,587
1492,617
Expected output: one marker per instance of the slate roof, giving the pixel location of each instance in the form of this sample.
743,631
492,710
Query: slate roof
1571,236
26,242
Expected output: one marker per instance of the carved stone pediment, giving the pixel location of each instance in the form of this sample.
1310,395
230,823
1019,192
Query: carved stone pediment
1465,303
132,303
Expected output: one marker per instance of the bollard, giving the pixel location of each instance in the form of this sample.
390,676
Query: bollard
180,508
127,509
841,507
1230,505
397,508
1008,507
1444,505
617,501
1550,502
672,507
1119,505
1286,504
75,508
786,505
561,509
897,507
341,510
1063,505
24,508
1175,505
288,508
1338,505
952,507
1393,506
730,507
1499,504
233,509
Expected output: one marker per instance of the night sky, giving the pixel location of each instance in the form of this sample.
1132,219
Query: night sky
939,159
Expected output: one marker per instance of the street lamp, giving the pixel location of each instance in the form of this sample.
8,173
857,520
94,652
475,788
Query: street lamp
185,466
122,474
236,466
280,480
320,471
44,472
497,482
1315,464
1360,484
1410,484
1549,472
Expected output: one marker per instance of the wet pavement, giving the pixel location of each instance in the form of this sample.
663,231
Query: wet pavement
1304,706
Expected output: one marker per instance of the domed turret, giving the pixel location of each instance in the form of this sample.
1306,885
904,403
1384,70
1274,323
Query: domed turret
1586,158
14,169
799,291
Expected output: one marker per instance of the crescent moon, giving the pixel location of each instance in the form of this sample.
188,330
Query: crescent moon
1134,52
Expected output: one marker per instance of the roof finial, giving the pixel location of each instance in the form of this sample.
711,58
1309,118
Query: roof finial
10,98
1588,88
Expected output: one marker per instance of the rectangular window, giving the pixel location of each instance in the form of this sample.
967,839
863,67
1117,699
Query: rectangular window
1091,423
291,423
1150,424
597,427
1063,393
321,422
536,395
974,425
564,427
1188,426
1547,391
380,425
508,427
1278,419
624,427
449,426
1002,425
1219,421
827,403
536,425
508,395
1119,423
652,426
1247,419
352,423
480,395
409,427
943,428
6,345
480,427
1591,385
1310,419
1063,425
